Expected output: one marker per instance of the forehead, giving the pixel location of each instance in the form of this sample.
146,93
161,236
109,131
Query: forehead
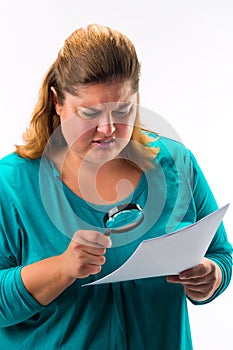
96,94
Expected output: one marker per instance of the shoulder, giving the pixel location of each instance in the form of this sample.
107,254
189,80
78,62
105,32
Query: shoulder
15,169
168,148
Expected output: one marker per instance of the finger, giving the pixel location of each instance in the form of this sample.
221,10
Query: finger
92,239
200,292
97,260
83,242
189,281
89,264
173,279
194,291
194,294
88,269
100,239
94,251
93,262
195,272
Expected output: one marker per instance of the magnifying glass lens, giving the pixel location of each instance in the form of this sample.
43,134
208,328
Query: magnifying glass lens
124,218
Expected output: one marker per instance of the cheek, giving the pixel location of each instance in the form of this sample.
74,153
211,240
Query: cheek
125,129
74,131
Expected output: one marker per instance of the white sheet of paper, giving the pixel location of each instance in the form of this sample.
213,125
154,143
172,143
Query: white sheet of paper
169,254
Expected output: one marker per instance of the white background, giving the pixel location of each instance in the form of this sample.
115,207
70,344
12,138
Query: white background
186,50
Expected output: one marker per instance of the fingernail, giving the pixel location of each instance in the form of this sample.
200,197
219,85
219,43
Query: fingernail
182,277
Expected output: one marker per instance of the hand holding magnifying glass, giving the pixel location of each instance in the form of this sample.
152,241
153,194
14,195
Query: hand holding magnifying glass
119,219
123,218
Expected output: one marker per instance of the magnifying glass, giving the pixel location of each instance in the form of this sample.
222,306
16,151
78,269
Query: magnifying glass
123,218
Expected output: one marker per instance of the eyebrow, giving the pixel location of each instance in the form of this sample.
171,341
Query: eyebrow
90,108
120,105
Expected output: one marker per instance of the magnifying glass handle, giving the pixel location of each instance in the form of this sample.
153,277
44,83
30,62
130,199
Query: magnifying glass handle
107,232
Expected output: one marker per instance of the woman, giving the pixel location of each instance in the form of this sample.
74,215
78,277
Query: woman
85,153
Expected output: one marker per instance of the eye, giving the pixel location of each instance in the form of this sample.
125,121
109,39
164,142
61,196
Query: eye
122,112
88,114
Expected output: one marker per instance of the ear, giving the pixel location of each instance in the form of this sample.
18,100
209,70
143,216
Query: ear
55,101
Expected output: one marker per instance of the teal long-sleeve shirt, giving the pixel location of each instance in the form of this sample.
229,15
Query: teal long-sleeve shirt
38,216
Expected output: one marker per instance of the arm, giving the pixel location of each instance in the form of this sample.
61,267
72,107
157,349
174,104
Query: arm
29,288
12,290
81,259
211,277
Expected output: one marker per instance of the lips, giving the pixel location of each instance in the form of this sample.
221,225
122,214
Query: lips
104,142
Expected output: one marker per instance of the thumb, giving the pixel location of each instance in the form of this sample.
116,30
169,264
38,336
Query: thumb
92,239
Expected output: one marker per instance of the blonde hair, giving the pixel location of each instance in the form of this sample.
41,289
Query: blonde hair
92,55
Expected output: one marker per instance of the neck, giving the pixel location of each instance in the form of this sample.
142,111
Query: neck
101,183
83,167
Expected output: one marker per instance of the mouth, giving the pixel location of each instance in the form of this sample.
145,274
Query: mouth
104,142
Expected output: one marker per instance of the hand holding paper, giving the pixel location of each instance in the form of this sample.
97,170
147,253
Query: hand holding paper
201,281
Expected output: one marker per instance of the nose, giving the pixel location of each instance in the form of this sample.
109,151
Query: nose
106,124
